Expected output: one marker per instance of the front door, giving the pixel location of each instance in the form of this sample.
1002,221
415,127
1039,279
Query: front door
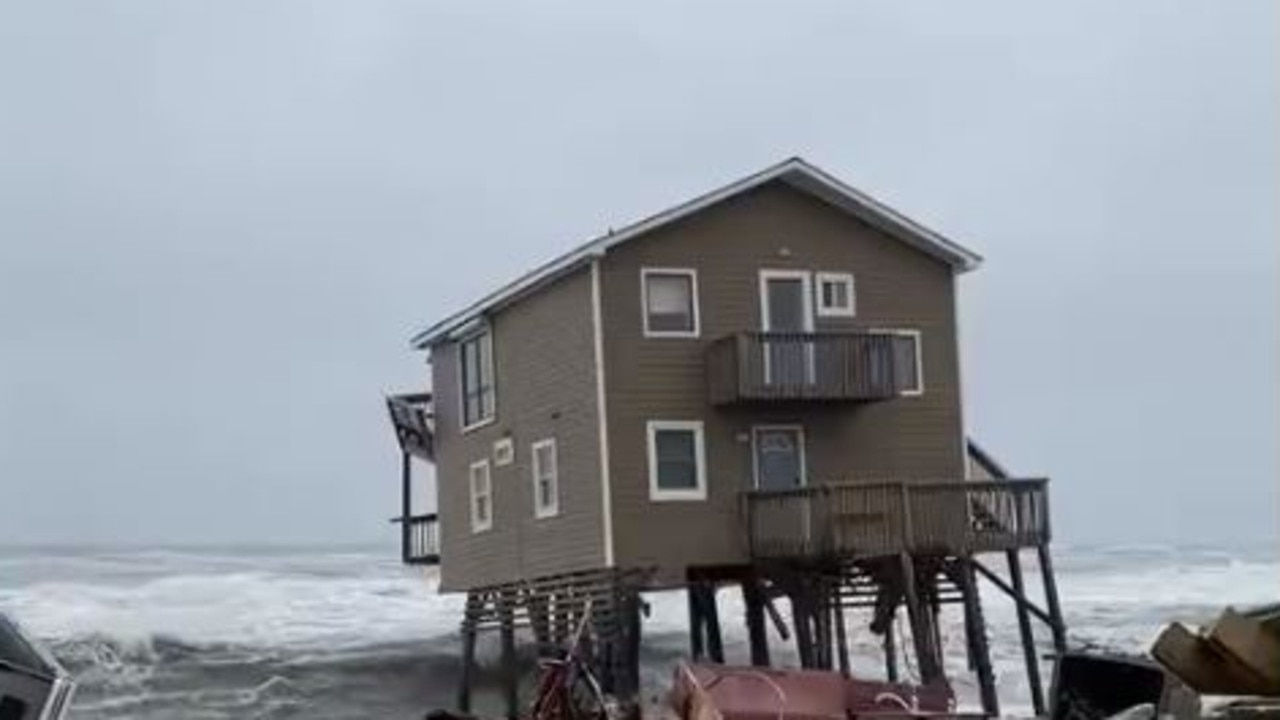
786,311
779,456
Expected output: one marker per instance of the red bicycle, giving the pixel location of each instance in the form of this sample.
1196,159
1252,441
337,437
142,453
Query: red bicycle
567,689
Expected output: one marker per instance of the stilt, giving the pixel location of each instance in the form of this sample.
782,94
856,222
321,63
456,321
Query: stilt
1024,630
821,615
976,631
631,654
468,652
697,650
891,650
926,659
804,629
510,672
711,622
406,506
842,633
1051,599
753,600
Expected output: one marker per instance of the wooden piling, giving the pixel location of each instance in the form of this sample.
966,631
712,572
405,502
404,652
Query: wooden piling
976,632
1026,634
1051,599
468,652
753,601
891,650
926,658
711,622
697,650
510,669
842,633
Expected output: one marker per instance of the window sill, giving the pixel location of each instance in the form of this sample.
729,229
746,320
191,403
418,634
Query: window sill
672,334
678,495
477,425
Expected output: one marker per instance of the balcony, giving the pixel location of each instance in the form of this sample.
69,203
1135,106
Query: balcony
419,539
413,418
850,520
787,366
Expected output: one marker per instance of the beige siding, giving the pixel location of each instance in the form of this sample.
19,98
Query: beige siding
544,364
780,228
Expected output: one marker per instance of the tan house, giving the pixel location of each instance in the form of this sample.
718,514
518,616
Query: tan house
767,371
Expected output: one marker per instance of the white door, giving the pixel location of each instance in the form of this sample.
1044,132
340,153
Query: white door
786,306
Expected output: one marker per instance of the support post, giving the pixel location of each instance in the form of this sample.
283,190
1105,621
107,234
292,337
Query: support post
842,633
468,652
1051,599
976,631
800,615
891,650
697,650
926,659
406,505
753,601
510,673
1024,630
711,616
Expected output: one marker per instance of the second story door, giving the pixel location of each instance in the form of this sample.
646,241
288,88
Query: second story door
786,317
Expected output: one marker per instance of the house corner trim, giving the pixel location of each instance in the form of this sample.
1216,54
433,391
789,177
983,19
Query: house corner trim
602,415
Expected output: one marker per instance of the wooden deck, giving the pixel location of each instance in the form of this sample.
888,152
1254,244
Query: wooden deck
785,366
869,519
413,417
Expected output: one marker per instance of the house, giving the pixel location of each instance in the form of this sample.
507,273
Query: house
767,372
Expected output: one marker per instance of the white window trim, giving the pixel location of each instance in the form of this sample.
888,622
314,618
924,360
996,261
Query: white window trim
462,388
919,336
692,273
539,510
755,452
658,494
477,526
844,278
806,292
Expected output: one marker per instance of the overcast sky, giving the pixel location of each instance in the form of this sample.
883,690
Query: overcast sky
220,222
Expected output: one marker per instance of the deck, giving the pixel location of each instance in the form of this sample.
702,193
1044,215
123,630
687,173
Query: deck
868,519
413,417
792,366
419,539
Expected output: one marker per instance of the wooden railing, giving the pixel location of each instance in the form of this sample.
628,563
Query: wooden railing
420,539
413,418
760,366
863,519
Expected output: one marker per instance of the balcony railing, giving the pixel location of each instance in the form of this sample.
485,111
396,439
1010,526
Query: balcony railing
413,418
782,366
420,539
884,518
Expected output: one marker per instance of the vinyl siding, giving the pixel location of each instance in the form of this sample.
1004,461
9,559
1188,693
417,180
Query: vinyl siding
772,227
545,378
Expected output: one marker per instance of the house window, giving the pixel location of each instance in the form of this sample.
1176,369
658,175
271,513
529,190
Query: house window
908,362
475,361
504,452
481,497
670,301
546,479
835,294
677,460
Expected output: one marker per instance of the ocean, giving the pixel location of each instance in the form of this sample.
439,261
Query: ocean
350,633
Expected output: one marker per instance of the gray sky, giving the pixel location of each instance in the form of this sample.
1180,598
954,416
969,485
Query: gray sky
220,222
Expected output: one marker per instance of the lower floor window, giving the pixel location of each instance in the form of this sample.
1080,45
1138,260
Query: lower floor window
677,460
481,497
546,479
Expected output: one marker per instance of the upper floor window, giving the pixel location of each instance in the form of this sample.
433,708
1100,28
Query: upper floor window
669,297
908,360
475,363
677,460
546,479
481,496
835,294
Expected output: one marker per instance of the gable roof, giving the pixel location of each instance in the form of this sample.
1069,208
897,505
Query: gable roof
795,172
